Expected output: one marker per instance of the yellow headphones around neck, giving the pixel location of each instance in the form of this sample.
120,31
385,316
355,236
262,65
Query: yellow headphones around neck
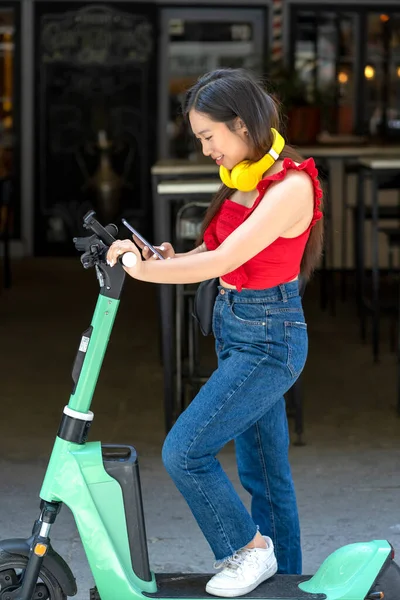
247,174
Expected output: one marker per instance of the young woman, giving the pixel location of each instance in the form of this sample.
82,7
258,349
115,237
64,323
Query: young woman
261,231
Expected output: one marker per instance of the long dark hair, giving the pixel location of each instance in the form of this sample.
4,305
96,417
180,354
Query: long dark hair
225,94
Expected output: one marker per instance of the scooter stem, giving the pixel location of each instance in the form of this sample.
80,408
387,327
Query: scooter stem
91,353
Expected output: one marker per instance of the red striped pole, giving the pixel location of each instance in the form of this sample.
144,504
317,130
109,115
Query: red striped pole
277,34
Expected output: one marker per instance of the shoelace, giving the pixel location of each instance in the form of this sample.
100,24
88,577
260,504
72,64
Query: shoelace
235,561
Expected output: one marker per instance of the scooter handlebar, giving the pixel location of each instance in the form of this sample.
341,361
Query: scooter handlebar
129,259
106,234
103,236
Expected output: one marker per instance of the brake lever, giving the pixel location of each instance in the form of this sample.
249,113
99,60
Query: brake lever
84,243
95,255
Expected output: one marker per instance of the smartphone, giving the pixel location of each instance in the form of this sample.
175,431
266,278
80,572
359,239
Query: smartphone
141,238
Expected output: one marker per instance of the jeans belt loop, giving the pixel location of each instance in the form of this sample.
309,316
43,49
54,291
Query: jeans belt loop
283,292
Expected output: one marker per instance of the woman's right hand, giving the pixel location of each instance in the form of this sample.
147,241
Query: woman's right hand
166,249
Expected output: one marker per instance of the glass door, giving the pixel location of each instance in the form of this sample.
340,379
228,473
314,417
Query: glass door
382,75
195,41
95,117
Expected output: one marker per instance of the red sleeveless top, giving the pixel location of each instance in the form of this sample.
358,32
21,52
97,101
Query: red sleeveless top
280,261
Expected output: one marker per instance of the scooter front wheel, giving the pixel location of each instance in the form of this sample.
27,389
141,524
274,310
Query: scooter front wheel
12,569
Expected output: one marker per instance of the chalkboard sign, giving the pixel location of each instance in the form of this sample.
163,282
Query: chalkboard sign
96,117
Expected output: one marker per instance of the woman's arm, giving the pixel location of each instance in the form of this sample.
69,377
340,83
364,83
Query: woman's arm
283,206
201,248
166,250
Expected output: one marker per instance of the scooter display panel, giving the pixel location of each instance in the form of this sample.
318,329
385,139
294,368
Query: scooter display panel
192,585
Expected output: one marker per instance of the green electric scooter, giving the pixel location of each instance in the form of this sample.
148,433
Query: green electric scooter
101,485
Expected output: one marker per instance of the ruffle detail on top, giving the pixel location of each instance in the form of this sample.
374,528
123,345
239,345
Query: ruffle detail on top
232,214
238,277
309,167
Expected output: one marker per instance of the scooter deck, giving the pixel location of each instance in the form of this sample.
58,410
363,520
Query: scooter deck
192,585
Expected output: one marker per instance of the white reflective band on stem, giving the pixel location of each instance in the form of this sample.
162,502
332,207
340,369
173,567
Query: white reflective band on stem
273,153
78,415
44,529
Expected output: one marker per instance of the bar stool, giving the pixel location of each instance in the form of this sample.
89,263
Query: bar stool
362,213
383,174
167,195
392,235
188,377
351,168
295,396
327,288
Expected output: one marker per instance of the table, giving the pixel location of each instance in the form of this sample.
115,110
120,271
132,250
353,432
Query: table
169,177
374,170
333,154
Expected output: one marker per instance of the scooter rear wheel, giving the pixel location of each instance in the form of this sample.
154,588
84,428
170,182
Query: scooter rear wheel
12,567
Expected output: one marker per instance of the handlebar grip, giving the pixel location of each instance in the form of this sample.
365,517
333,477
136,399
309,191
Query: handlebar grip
129,259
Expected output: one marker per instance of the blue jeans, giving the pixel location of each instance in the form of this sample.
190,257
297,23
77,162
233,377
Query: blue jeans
261,343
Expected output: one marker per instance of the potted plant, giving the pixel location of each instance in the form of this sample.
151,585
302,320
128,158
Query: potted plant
301,104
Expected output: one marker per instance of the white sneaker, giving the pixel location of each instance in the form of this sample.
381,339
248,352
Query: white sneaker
244,571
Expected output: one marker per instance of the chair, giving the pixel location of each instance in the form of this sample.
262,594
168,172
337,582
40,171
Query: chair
189,375
386,212
350,168
381,177
391,306
188,221
294,397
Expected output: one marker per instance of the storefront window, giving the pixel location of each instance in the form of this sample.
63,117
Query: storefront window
324,62
197,44
382,74
7,54
349,66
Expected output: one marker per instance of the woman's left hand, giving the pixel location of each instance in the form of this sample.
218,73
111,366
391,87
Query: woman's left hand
118,248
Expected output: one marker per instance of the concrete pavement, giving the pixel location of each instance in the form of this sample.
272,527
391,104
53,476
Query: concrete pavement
346,476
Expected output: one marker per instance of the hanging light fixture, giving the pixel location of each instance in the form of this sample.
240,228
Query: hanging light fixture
369,72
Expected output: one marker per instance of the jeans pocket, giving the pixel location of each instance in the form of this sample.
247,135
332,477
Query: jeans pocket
248,313
296,338
216,319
